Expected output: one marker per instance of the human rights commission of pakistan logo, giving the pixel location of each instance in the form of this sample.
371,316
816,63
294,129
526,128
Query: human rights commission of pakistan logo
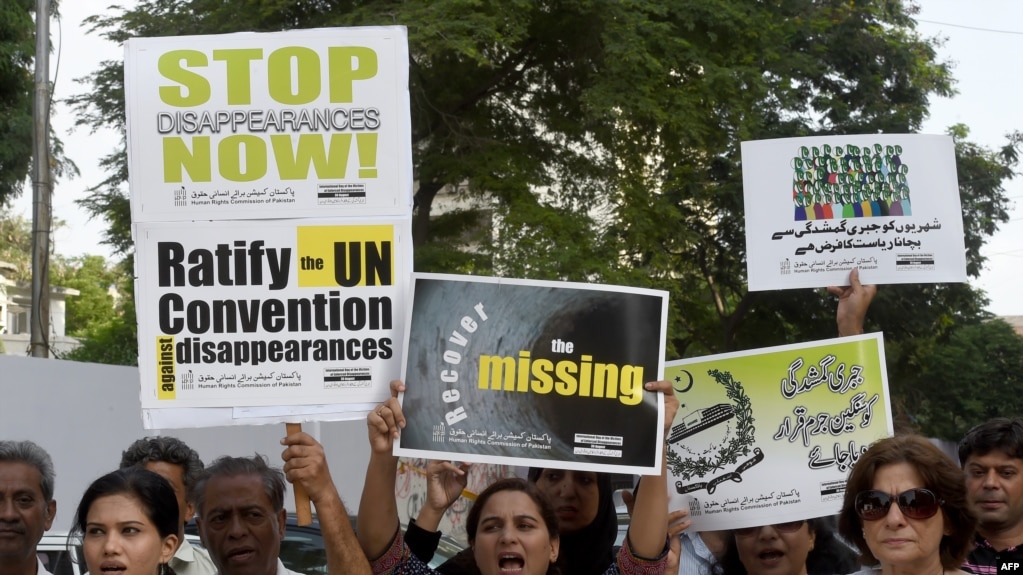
722,441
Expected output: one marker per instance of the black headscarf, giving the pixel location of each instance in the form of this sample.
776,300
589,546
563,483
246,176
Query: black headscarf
589,551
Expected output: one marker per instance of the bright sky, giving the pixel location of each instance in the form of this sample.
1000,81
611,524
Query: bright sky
983,39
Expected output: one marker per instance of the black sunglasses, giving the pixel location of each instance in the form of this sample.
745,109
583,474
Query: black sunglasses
914,503
787,527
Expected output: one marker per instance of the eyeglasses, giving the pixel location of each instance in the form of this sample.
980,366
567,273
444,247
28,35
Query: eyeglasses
914,503
787,527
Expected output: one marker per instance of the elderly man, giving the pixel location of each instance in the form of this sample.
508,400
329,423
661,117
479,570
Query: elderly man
992,458
180,465
241,517
27,507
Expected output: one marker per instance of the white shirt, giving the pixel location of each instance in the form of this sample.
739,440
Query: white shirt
188,560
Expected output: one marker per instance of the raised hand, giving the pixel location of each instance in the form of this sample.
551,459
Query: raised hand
385,422
853,302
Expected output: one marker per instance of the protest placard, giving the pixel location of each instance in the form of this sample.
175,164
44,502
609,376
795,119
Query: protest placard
302,123
270,312
522,372
297,316
769,435
818,207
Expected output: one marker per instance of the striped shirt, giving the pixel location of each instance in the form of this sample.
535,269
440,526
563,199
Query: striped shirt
986,560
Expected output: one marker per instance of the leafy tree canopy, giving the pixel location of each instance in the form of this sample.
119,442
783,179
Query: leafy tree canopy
17,84
602,140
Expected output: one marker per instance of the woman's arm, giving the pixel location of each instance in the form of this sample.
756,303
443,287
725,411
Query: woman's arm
445,483
378,511
648,529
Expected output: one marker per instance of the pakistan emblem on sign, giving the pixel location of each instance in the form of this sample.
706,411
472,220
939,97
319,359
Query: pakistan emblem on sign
718,436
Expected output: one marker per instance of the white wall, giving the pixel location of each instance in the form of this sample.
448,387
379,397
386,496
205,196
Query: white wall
86,414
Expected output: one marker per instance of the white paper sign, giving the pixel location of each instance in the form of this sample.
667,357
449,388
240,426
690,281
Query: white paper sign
303,123
818,207
270,312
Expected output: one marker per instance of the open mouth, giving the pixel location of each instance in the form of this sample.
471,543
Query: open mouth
510,563
770,555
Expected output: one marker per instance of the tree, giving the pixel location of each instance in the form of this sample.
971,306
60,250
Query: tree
17,84
90,275
93,316
17,49
972,374
113,341
605,137
16,244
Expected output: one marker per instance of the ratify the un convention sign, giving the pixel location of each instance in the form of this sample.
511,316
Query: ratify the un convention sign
270,312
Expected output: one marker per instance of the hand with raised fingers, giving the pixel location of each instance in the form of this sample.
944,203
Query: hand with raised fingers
853,302
385,422
445,482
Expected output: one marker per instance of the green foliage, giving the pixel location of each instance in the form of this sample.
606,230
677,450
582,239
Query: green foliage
17,49
605,137
109,337
93,278
113,341
971,375
17,84
94,312
16,245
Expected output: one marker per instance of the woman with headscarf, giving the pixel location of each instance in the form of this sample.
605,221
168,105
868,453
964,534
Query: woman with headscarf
583,501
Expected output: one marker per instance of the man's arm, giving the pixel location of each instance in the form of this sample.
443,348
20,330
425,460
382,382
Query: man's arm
305,464
853,302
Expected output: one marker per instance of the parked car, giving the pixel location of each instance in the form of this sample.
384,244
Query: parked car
53,552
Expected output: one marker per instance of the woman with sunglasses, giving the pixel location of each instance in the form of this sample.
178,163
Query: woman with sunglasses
905,509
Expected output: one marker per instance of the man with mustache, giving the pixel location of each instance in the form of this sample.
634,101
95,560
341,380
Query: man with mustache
27,507
991,455
241,518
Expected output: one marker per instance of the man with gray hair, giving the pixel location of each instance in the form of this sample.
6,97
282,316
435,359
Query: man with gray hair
27,507
181,466
241,516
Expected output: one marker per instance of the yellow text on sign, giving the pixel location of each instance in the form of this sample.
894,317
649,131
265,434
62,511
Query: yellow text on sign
247,157
165,368
293,74
345,256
